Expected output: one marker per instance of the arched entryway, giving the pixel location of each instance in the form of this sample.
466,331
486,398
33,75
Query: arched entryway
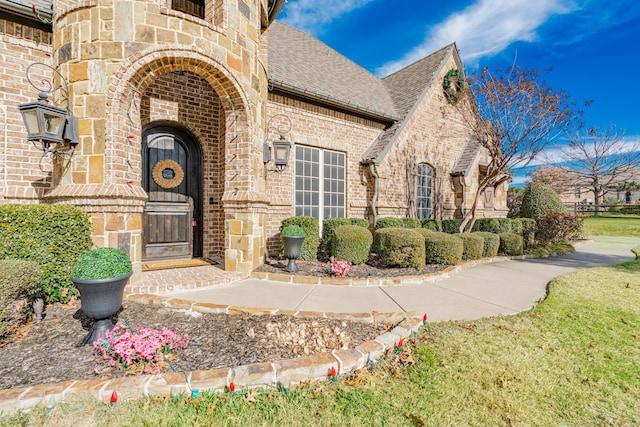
172,178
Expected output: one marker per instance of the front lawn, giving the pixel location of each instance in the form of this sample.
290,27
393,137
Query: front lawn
573,360
626,226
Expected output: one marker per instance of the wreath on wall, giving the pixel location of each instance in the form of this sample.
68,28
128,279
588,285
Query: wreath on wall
167,174
453,84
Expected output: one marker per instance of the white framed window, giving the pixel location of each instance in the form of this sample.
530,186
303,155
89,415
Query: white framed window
424,193
319,183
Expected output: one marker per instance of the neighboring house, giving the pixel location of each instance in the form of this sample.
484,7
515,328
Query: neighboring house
175,101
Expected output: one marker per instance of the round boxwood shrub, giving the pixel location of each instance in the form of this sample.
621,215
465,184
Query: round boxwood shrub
399,247
443,248
432,224
18,283
491,243
511,244
311,228
473,245
539,200
352,243
451,226
329,225
101,263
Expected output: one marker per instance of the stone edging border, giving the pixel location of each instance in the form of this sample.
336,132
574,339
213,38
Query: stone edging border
383,281
282,373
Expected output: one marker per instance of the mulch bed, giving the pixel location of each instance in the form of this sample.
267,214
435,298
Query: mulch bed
45,352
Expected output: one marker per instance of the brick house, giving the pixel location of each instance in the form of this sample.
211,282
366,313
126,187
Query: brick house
178,103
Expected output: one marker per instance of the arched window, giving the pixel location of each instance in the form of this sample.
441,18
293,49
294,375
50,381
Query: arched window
191,7
424,193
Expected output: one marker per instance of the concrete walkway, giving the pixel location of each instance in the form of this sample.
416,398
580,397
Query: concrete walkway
490,289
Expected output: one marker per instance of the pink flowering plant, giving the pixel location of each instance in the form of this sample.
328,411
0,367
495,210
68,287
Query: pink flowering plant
338,268
137,349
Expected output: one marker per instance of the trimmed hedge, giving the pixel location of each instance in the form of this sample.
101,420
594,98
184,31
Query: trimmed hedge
511,244
451,226
54,236
311,228
423,231
528,230
329,225
399,247
443,248
498,225
398,223
539,200
473,245
432,224
352,243
18,283
491,243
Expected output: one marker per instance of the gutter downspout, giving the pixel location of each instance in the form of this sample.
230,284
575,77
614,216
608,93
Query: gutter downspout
374,199
464,193
27,10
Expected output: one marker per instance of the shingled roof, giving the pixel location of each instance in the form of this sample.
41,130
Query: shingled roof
301,64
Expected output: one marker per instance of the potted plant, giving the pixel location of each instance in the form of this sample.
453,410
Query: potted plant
292,238
100,276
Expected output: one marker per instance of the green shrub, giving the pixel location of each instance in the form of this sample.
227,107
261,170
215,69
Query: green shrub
473,245
18,283
556,227
54,236
491,243
528,230
410,222
399,247
352,243
101,263
443,248
514,201
432,224
292,231
539,200
328,227
423,231
451,226
511,244
311,227
498,225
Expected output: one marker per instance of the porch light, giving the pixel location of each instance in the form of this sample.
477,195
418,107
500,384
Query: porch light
281,147
53,129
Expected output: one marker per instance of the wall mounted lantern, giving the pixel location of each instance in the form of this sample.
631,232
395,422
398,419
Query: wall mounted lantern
53,129
281,147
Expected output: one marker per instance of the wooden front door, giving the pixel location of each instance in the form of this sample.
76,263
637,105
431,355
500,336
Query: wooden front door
172,177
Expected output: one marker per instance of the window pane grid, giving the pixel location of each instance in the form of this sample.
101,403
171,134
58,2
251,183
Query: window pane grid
320,186
424,199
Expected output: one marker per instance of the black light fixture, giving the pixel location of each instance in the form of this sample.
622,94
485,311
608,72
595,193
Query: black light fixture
55,129
281,147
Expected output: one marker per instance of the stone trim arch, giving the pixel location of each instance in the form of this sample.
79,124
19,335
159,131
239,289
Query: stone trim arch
137,73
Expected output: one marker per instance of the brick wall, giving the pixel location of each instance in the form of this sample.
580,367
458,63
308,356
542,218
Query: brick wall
24,173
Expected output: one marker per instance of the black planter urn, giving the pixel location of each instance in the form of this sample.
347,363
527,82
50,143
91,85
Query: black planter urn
100,300
292,249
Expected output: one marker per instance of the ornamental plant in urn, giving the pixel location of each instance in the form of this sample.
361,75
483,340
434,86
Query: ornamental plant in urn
292,238
101,275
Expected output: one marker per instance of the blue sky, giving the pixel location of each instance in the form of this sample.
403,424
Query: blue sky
592,46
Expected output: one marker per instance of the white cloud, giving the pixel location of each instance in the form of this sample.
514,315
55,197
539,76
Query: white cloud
311,15
484,29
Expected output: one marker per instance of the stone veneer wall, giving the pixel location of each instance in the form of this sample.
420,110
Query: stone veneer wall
24,174
111,52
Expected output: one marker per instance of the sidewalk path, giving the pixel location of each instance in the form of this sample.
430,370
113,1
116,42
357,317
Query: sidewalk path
499,288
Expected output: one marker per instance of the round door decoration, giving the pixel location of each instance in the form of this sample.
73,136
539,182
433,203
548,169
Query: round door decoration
168,174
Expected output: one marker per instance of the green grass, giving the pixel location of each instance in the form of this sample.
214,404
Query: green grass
573,360
627,226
